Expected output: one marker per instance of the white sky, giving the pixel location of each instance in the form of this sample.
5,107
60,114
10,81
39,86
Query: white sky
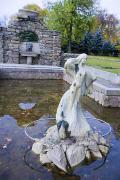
112,6
10,7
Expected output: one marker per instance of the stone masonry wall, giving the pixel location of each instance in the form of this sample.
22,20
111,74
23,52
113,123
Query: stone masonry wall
1,44
49,40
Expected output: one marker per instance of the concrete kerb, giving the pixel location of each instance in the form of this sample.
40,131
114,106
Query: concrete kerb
106,90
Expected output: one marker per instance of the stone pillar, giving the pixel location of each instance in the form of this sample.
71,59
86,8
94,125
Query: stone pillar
29,60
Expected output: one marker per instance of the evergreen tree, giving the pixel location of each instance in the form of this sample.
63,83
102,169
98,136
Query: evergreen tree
97,43
87,43
108,48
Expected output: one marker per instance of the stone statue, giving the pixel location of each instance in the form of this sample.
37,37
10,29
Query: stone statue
72,140
70,116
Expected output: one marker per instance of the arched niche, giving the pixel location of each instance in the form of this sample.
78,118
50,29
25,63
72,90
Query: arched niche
29,47
28,36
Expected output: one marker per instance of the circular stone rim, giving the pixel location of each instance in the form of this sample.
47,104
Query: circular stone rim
36,139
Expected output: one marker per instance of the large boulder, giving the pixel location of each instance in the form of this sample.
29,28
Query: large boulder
57,156
75,154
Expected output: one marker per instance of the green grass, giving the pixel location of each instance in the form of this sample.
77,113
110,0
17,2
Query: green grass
111,64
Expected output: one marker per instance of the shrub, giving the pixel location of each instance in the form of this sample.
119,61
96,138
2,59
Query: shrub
28,36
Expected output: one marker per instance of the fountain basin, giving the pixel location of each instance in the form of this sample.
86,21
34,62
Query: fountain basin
24,163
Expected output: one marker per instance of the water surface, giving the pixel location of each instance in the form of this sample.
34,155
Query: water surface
15,161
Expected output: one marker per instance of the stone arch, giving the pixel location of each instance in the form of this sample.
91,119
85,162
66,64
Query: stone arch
28,36
22,31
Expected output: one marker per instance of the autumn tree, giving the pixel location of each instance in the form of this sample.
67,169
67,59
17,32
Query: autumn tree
71,18
108,25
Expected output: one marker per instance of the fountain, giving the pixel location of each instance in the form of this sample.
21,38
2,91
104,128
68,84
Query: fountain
29,50
72,140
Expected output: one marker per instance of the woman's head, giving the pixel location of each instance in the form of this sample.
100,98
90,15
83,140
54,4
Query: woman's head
82,58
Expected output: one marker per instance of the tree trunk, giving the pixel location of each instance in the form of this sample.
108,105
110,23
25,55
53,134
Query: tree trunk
70,37
69,46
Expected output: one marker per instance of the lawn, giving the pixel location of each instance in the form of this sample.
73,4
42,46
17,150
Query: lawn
111,64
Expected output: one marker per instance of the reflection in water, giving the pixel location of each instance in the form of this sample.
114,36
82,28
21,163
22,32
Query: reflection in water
13,142
45,93
26,105
110,115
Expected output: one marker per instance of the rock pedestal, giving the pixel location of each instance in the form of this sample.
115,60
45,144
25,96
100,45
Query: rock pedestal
68,153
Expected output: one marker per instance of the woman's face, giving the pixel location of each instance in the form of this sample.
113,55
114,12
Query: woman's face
83,60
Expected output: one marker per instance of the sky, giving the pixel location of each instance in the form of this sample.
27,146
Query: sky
10,7
112,6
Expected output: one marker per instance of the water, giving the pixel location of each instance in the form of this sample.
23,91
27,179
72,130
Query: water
16,161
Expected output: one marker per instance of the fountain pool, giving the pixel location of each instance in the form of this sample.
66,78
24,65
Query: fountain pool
15,162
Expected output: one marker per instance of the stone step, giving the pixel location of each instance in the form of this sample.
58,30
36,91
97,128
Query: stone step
106,87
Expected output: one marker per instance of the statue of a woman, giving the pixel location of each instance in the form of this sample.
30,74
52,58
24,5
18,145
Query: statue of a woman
69,143
71,121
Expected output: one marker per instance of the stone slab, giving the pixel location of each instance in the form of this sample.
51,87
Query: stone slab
106,87
21,71
105,92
